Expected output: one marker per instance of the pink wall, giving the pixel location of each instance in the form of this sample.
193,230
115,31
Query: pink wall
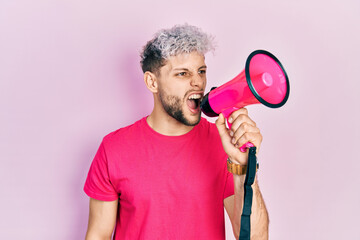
69,74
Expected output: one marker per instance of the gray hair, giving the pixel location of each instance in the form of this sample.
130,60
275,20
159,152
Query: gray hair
171,42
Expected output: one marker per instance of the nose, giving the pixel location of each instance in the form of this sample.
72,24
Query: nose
198,81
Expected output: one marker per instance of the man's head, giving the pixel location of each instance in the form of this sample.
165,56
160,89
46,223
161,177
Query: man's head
174,70
171,42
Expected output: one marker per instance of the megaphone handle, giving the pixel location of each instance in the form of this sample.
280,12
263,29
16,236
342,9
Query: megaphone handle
227,112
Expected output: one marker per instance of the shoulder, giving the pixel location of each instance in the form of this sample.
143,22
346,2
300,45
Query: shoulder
205,125
123,134
209,130
210,137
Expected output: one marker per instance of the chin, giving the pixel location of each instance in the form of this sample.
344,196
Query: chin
193,120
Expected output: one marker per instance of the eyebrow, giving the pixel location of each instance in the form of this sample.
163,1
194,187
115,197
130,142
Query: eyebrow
186,69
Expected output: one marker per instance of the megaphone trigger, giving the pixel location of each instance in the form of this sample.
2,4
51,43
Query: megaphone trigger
227,112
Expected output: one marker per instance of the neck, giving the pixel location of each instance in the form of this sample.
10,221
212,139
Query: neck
164,124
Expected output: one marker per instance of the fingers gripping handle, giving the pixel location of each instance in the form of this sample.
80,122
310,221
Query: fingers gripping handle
227,112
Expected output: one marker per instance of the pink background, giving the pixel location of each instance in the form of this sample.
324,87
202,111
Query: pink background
69,74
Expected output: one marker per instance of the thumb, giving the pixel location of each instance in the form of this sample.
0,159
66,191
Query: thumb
220,124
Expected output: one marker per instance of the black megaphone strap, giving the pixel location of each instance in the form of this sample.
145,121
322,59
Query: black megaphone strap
248,195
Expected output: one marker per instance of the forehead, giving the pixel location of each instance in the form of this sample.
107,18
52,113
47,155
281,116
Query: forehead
191,61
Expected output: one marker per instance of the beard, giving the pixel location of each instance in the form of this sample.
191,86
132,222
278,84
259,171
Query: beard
173,107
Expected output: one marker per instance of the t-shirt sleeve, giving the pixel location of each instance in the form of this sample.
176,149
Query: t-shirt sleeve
229,183
98,184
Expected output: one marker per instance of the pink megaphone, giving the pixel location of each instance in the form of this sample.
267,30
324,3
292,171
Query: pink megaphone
263,80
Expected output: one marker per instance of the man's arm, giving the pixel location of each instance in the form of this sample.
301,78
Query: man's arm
102,219
243,130
259,219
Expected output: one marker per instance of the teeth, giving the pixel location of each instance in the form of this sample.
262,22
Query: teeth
195,96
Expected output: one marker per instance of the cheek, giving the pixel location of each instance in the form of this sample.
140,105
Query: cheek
179,89
176,87
175,91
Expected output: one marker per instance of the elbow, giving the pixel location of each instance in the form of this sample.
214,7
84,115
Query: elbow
96,236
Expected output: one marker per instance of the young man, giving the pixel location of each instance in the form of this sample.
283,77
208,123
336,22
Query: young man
165,176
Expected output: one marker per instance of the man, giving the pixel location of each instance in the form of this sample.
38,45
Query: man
165,176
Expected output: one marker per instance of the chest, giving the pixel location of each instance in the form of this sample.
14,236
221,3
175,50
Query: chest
163,175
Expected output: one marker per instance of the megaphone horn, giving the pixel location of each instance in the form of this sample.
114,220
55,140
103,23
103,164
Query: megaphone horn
264,80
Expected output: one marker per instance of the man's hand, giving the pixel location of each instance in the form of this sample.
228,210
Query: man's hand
243,130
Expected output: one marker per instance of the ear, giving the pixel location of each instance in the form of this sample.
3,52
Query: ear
151,81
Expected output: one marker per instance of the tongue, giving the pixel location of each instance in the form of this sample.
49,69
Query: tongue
191,103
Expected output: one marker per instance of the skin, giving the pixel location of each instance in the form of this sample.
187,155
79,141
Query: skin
243,130
181,76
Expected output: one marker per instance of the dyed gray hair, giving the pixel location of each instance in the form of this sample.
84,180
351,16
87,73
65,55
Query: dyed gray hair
171,42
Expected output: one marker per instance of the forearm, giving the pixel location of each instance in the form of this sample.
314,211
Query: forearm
259,216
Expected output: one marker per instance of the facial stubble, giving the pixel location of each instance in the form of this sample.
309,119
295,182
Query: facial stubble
173,107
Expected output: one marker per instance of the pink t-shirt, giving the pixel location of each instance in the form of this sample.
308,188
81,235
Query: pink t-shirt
169,187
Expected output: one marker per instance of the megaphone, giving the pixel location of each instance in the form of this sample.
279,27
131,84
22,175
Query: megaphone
264,80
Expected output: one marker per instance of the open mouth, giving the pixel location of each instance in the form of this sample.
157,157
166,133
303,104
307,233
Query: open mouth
193,102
